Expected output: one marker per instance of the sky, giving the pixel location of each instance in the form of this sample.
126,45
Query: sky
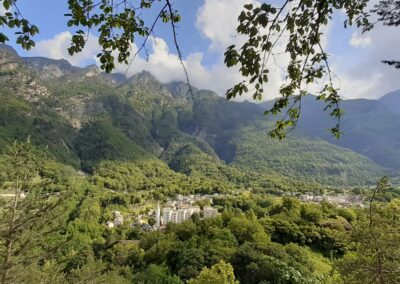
206,29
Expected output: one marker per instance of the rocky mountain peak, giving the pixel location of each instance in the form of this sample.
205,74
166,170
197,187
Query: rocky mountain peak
48,68
180,89
91,70
6,48
16,77
9,62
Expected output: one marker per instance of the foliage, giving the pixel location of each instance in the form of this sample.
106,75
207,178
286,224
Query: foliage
14,20
220,273
375,259
156,274
30,214
256,237
299,157
265,28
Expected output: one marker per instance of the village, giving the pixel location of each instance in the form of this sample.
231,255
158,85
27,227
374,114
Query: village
342,200
177,210
183,207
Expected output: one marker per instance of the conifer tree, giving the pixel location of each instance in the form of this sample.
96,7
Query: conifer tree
26,214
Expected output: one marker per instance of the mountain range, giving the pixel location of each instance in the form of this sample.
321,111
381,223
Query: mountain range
85,117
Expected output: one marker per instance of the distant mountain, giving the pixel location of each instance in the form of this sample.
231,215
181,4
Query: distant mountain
86,117
369,128
392,101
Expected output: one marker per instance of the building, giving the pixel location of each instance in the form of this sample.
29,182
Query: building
179,215
306,197
318,198
166,217
192,210
118,218
158,216
209,212
342,200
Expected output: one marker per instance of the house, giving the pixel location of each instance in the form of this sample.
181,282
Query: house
118,218
306,197
318,198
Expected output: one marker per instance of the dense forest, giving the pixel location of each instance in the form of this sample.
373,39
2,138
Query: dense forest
58,232
78,145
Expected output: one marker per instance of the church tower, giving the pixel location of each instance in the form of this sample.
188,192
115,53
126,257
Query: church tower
158,221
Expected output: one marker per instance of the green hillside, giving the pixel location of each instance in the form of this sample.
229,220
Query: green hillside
369,128
302,158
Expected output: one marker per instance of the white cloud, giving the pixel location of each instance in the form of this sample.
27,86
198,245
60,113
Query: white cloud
161,62
359,40
166,67
362,73
217,21
356,88
57,48
3,10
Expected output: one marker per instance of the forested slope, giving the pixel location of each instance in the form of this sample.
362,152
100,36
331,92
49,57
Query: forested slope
85,116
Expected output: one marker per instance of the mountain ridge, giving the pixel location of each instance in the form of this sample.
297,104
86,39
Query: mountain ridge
89,117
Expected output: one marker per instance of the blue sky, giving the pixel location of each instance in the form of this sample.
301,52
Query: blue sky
207,27
48,15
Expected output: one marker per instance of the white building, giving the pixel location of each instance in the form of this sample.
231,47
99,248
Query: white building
166,217
193,210
209,212
179,215
318,198
306,197
118,218
158,216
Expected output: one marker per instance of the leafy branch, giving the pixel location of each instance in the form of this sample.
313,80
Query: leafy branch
296,25
388,12
13,19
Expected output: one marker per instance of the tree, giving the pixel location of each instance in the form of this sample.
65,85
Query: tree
155,274
27,216
152,221
95,272
247,229
220,273
376,258
253,264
